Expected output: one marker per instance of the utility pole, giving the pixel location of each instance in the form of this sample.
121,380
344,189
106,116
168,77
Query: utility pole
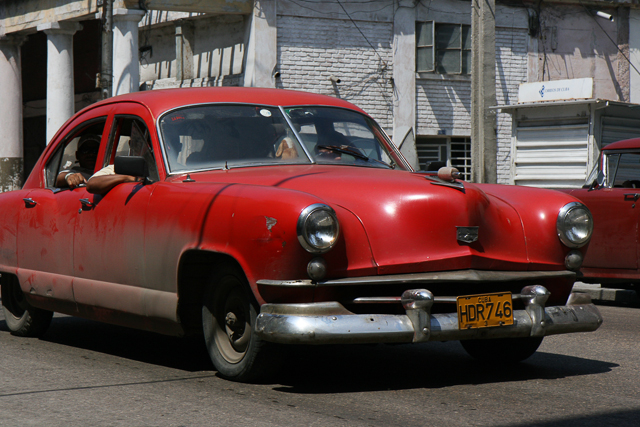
484,147
106,71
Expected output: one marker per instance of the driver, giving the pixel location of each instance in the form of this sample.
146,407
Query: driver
86,156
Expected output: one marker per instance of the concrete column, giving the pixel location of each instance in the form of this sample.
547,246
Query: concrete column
404,80
634,55
622,82
60,88
126,63
184,50
484,141
262,45
11,136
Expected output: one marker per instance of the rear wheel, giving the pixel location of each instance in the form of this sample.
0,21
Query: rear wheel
22,319
228,320
502,350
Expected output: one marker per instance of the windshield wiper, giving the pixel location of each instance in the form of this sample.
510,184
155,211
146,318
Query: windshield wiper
352,152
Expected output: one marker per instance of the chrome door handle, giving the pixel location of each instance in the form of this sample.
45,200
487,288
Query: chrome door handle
29,202
86,203
632,196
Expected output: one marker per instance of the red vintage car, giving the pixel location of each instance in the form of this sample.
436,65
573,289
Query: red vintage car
611,192
261,217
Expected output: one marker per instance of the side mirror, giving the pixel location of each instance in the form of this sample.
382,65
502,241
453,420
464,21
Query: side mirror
598,182
131,165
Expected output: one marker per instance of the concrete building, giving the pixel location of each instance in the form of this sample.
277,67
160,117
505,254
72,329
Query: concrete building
410,64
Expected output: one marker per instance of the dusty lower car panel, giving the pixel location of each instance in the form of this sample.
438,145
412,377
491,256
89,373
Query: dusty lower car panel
262,217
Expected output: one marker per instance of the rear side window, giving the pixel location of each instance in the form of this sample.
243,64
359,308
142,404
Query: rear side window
130,137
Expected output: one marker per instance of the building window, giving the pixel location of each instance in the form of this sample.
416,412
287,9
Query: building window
434,152
443,48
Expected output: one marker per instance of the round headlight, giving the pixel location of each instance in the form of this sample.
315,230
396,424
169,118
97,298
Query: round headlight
318,228
574,225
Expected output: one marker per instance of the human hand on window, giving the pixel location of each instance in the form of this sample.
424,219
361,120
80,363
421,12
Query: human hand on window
74,180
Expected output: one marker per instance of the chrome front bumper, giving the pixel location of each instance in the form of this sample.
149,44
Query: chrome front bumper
332,323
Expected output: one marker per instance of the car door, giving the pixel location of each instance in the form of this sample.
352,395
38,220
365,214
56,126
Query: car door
616,214
47,218
109,239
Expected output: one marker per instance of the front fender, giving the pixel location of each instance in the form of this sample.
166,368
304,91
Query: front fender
257,227
538,209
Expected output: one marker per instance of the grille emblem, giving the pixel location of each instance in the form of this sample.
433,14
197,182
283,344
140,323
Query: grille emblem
467,234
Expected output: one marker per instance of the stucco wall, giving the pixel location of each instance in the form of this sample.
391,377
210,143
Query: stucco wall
574,44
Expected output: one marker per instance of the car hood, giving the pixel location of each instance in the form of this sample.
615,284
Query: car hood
411,221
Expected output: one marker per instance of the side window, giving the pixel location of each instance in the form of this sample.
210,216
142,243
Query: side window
77,154
628,171
130,137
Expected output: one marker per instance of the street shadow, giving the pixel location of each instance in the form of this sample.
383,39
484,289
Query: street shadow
325,369
187,354
346,369
620,418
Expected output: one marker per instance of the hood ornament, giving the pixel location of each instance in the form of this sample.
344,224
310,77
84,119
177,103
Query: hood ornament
447,178
467,234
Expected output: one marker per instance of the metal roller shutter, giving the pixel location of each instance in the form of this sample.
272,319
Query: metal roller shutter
618,128
551,156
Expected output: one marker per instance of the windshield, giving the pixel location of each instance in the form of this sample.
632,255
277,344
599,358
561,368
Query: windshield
335,135
225,136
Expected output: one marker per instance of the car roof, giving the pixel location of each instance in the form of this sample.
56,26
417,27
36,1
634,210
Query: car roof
624,144
159,101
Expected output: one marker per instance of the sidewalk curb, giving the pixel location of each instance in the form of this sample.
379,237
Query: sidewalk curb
602,295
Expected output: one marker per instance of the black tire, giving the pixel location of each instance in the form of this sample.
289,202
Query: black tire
21,318
228,320
502,350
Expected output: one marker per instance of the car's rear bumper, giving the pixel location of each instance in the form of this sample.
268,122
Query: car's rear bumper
332,323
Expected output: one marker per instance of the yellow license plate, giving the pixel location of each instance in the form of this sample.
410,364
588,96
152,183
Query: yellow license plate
484,311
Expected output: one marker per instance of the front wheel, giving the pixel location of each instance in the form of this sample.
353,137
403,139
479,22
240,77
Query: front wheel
228,319
22,319
502,350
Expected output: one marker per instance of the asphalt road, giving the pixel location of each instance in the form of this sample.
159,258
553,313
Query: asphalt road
84,373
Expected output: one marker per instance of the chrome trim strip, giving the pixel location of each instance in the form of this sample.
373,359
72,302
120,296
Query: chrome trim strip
391,300
440,276
288,283
435,180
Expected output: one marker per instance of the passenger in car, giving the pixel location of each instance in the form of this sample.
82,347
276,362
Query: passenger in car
86,156
286,148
